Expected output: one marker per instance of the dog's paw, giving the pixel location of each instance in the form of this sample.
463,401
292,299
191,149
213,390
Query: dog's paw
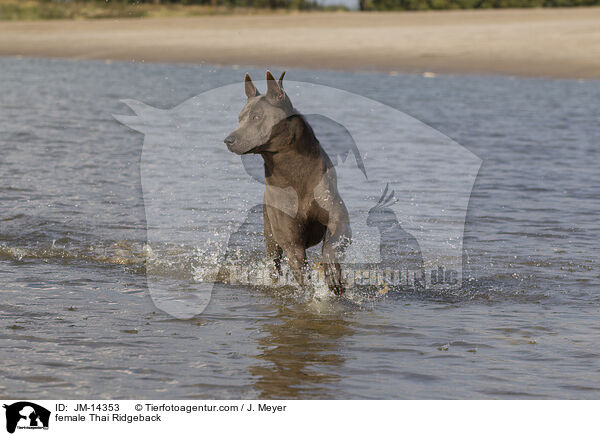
338,290
274,275
333,276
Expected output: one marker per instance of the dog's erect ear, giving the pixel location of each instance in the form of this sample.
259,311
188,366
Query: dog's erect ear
249,87
274,92
281,80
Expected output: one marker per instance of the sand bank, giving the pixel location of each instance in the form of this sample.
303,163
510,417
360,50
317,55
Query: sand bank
526,42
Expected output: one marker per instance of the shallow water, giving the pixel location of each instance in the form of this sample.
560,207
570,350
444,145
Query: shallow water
77,320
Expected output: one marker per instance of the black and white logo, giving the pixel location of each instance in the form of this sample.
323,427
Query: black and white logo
26,415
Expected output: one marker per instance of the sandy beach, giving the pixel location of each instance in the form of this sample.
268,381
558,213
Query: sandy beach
562,43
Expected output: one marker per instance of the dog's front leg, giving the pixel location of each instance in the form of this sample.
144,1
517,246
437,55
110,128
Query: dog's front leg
338,235
282,233
274,251
333,247
337,238
296,255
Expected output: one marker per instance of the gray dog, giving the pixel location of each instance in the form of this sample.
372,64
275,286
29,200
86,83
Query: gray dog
302,206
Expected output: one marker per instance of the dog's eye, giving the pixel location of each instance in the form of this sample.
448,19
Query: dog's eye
256,117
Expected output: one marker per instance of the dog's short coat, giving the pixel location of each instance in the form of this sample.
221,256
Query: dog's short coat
302,206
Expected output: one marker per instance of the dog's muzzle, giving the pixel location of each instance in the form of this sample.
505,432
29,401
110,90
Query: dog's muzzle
229,141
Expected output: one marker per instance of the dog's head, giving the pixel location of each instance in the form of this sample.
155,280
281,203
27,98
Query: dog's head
260,117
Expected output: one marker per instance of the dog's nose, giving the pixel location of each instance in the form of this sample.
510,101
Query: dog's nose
229,140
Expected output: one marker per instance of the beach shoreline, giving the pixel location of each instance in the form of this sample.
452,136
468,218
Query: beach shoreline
555,43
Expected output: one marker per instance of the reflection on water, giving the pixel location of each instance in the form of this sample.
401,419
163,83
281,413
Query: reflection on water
302,354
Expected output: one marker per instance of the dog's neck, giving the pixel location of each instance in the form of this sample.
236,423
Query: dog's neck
298,155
